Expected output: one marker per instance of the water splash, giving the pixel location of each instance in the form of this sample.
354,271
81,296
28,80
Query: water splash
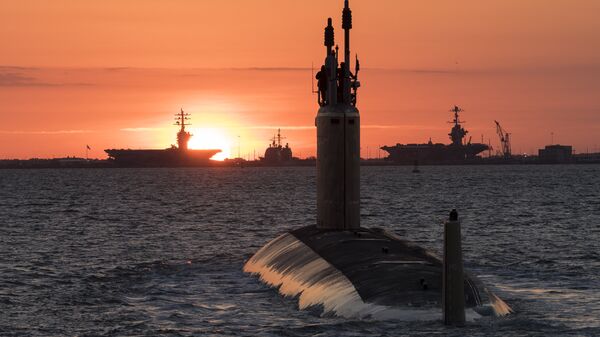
297,271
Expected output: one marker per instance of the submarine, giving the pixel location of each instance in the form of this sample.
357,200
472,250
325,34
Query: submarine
346,270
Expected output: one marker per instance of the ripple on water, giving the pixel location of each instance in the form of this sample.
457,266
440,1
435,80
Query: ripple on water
125,252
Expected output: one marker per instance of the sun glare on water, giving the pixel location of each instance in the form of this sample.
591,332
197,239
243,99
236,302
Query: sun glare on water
211,138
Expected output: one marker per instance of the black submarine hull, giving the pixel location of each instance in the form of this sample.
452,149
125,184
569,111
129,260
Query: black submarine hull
365,274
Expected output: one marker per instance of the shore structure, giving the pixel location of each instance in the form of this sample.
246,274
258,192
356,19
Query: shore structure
175,156
556,154
343,268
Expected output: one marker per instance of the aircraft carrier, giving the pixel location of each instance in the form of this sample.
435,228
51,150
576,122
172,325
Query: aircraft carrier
457,152
175,156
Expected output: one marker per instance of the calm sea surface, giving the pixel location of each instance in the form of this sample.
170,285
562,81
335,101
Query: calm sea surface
126,252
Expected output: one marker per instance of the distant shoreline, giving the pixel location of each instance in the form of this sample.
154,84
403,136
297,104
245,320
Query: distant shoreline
79,163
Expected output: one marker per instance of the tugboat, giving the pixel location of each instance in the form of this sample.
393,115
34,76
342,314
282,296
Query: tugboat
458,152
276,154
175,156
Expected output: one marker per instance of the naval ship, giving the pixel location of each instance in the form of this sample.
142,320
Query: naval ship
175,156
277,154
458,152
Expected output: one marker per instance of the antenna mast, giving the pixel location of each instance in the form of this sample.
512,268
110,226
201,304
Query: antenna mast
183,136
181,119
456,120
276,140
347,26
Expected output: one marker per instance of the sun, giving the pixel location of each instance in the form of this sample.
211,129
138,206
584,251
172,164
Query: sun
211,138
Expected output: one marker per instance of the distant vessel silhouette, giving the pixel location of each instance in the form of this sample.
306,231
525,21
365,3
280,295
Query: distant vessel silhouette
175,156
277,154
457,152
416,168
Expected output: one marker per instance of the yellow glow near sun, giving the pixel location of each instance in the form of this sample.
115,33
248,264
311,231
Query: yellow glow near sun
211,138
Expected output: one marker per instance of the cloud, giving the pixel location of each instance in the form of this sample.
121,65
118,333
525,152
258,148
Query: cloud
12,78
44,132
112,69
272,68
366,126
401,126
282,127
142,129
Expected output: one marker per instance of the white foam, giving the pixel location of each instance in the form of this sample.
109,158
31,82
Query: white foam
316,282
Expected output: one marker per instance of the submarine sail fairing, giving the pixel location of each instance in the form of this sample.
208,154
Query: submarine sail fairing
336,264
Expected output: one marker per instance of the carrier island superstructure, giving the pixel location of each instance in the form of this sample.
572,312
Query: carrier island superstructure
335,264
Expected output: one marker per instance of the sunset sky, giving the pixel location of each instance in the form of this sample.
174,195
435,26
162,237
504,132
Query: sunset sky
112,73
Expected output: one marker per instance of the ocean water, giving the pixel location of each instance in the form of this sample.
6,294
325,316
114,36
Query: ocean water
148,252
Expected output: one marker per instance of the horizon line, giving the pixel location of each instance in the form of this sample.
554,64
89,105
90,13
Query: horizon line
457,69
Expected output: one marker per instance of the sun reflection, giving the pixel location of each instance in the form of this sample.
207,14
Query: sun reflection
211,138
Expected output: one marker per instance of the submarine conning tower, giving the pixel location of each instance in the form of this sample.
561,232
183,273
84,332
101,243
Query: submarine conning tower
338,135
351,271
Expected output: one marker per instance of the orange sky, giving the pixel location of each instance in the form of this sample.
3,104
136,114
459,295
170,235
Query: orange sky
111,73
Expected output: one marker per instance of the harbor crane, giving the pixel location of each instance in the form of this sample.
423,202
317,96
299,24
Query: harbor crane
504,141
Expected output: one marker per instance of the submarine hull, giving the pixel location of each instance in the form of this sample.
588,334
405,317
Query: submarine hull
365,273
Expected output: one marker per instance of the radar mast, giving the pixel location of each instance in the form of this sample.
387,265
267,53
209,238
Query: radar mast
183,136
458,132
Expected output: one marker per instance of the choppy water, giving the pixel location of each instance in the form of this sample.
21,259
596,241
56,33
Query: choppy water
160,251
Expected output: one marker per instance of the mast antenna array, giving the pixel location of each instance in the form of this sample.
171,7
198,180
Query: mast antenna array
182,119
456,111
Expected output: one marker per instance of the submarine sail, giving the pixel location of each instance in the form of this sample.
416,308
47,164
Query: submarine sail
337,265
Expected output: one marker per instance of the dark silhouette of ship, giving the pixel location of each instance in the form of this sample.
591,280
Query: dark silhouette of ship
277,154
175,156
458,152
